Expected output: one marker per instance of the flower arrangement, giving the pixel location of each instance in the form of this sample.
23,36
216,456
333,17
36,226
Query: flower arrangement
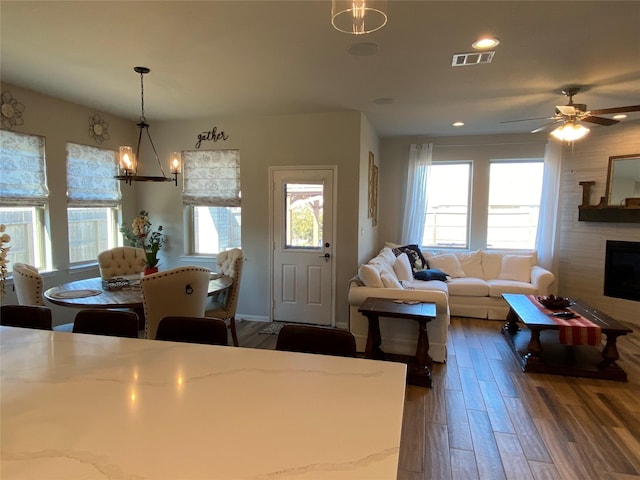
140,235
4,250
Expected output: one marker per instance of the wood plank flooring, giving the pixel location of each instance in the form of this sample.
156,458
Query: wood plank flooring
486,419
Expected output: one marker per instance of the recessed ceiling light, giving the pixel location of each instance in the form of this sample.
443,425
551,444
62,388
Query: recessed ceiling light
458,124
485,42
619,117
363,49
384,101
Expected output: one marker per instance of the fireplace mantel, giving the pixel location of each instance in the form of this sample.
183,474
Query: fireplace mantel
603,212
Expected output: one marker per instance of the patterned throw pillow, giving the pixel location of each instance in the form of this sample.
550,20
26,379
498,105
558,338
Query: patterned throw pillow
416,259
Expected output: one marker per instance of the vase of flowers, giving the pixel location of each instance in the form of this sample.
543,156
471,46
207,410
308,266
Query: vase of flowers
141,235
4,250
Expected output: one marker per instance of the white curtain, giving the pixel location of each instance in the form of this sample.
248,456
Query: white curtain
211,178
549,204
415,204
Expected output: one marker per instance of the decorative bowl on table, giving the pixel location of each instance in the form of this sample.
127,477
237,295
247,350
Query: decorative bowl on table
555,303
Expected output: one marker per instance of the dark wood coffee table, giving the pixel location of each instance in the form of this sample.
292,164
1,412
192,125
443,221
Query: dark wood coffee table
419,366
538,349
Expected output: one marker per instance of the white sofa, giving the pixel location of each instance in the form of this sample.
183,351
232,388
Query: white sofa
475,282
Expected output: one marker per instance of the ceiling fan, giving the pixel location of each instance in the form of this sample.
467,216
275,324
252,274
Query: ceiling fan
577,112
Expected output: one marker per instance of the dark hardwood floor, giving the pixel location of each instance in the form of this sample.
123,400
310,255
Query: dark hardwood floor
485,418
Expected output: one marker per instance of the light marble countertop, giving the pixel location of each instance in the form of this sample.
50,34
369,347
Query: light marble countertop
77,406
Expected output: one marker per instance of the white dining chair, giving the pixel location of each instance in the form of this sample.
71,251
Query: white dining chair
121,261
229,263
181,291
28,284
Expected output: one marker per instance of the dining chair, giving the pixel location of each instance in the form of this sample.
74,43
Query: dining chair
121,261
28,284
211,331
181,291
115,323
229,263
26,316
315,339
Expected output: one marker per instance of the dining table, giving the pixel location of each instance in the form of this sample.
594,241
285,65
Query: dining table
92,293
91,406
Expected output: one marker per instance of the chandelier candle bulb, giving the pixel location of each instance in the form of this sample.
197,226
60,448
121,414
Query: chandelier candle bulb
175,162
127,160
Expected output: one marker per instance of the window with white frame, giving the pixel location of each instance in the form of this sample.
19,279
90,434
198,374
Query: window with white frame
447,216
93,200
514,203
212,196
24,197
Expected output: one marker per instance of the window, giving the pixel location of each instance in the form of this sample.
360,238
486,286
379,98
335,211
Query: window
212,195
447,216
24,196
93,199
514,203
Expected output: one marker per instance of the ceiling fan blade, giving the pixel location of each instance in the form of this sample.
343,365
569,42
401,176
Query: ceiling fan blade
603,111
545,126
566,109
529,119
599,120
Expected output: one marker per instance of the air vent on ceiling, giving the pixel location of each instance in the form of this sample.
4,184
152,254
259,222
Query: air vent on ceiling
475,58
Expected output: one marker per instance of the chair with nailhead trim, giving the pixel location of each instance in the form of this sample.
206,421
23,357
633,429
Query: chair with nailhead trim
121,261
229,263
181,291
27,283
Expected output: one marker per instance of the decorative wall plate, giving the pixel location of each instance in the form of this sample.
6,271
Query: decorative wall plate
98,129
11,111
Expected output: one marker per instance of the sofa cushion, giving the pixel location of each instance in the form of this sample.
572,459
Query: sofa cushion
402,267
434,285
498,287
515,267
390,281
448,263
370,275
468,287
471,263
430,274
414,253
491,264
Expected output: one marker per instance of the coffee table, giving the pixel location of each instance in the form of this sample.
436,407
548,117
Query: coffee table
419,371
538,349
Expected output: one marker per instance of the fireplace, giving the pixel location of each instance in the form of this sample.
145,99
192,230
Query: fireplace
622,270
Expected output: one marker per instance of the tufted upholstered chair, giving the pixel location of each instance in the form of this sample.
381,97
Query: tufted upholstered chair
178,292
121,261
28,284
224,306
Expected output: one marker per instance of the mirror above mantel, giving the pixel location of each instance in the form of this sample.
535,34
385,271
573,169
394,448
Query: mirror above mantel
621,202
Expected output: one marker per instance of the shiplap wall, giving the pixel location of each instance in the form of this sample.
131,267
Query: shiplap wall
582,244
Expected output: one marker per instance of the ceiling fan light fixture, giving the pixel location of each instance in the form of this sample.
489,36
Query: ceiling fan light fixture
570,132
358,17
621,116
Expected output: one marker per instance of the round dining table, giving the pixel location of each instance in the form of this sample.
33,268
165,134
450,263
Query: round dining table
89,293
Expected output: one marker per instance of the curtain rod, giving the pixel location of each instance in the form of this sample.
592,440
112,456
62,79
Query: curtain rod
437,145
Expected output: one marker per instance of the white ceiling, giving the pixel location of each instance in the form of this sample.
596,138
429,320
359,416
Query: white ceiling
212,59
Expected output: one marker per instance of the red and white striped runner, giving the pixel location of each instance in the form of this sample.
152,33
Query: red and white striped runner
573,331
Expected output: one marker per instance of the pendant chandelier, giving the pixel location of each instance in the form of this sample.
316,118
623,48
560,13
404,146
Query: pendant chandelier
129,161
358,16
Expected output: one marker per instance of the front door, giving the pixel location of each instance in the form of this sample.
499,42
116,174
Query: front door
303,239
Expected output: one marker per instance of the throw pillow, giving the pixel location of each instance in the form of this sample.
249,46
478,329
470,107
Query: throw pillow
390,281
471,263
516,267
402,267
430,274
370,275
448,263
414,253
